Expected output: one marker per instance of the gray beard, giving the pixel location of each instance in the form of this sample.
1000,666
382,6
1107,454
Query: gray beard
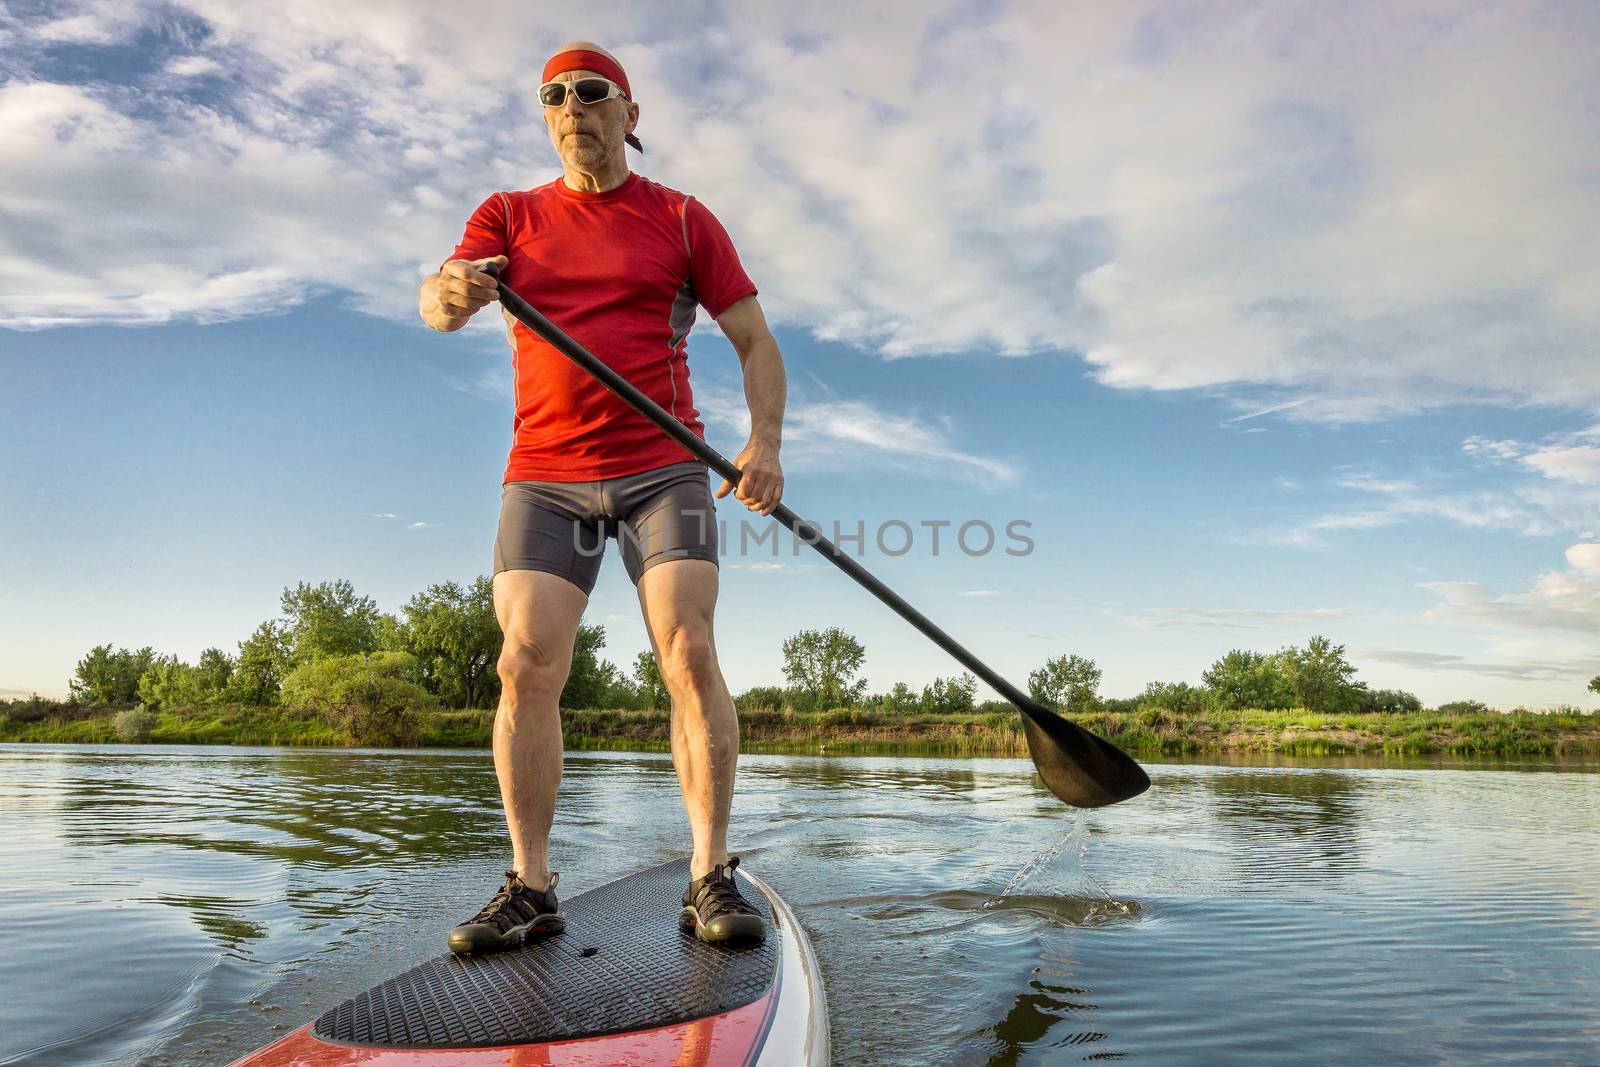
589,154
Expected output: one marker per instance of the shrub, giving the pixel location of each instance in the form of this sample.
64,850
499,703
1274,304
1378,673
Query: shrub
372,698
35,708
849,717
1153,716
1178,697
134,724
1464,707
762,696
1388,700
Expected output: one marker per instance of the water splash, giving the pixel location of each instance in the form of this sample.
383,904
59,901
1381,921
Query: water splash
1057,879
1059,869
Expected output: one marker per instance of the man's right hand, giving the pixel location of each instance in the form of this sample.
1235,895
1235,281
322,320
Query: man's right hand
457,292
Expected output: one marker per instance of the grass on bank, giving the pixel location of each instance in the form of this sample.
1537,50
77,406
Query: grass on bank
1146,730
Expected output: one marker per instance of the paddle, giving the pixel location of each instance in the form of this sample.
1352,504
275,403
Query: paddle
1080,768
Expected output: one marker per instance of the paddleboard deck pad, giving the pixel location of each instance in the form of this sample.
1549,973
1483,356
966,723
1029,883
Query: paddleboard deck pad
622,984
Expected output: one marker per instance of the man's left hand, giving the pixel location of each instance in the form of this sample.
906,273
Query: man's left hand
761,484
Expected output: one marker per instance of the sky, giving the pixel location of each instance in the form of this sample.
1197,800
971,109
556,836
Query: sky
1258,320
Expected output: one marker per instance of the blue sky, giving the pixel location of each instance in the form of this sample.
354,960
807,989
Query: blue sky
1264,328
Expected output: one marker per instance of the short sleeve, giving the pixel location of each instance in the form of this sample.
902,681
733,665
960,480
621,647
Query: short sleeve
718,279
485,235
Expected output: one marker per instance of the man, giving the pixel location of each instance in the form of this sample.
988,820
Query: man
620,263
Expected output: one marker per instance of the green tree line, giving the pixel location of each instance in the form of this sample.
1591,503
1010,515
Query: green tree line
371,674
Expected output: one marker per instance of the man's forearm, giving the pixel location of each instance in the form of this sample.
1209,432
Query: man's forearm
766,388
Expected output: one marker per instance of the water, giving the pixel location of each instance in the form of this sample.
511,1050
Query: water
182,906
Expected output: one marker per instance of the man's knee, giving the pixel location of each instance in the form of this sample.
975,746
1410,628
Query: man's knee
688,659
530,668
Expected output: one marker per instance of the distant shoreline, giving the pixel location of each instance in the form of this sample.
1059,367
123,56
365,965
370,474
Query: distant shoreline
1146,731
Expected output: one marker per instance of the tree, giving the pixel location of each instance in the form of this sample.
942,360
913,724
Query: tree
950,697
761,696
1244,679
591,677
169,682
1323,679
1179,697
1594,684
105,676
389,634
329,620
901,700
1066,683
263,663
214,670
375,699
649,684
822,665
455,635
1389,700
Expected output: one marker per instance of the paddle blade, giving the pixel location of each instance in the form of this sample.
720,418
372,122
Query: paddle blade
1084,770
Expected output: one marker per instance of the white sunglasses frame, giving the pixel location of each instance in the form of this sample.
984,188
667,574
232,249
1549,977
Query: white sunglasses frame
611,94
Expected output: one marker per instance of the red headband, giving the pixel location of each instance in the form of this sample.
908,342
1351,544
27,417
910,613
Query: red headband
600,63
583,59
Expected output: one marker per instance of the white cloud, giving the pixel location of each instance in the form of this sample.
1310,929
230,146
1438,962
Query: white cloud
831,433
1230,618
422,525
1445,663
1372,213
384,515
96,23
1558,600
1579,464
1489,449
1271,409
493,382
1526,507
1585,558
980,592
1562,457
193,66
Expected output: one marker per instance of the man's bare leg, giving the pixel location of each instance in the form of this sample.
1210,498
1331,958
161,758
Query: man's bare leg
539,615
678,599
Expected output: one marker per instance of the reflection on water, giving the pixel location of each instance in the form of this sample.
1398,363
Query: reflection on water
183,905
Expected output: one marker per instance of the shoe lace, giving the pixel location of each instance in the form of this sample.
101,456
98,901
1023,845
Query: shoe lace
720,894
491,910
495,910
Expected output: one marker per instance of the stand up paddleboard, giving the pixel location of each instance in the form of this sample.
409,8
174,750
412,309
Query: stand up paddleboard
622,985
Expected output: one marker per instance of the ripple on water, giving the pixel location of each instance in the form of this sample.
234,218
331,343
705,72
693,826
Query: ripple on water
1231,915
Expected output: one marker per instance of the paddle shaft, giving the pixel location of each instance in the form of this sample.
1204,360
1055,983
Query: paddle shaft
804,529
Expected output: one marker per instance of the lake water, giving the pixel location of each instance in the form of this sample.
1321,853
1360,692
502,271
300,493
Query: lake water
182,906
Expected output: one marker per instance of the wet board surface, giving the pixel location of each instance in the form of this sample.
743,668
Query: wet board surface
643,973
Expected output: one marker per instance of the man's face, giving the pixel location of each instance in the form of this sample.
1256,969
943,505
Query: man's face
586,135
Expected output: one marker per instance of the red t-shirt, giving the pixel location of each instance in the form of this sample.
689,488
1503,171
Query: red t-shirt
621,271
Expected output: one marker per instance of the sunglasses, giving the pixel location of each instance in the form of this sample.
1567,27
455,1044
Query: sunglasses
587,90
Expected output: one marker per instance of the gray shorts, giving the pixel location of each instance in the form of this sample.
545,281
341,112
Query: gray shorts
562,527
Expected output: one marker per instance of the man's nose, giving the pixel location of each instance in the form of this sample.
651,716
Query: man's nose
572,106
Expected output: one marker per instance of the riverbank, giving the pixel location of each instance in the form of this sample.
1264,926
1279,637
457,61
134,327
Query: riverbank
1148,731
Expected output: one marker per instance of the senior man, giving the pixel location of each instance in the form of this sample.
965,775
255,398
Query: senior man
619,262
